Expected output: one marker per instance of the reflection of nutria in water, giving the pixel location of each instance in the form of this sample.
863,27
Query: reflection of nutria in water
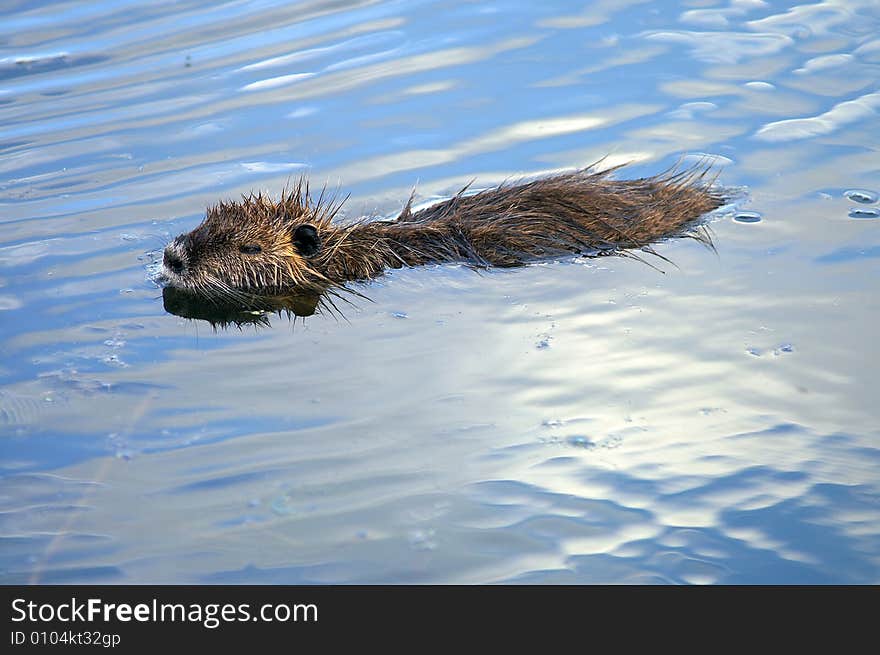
261,246
245,310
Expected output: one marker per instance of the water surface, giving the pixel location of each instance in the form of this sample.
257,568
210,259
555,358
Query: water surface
585,421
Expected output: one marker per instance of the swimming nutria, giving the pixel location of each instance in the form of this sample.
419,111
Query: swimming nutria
260,246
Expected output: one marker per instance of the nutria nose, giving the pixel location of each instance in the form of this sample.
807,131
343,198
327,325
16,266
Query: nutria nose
173,261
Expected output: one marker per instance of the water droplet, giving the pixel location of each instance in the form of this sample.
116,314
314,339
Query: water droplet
867,212
747,217
784,348
281,506
861,195
611,442
580,442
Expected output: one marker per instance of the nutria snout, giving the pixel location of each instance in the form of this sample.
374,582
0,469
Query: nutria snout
173,258
263,246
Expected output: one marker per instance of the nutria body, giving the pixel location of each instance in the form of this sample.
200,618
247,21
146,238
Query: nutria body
261,246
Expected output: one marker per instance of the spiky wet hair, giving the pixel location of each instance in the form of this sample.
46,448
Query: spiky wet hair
255,245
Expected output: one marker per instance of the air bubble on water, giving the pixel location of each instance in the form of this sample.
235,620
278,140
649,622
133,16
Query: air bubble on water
543,342
120,447
866,212
783,348
754,352
863,196
114,360
579,441
400,314
747,217
553,423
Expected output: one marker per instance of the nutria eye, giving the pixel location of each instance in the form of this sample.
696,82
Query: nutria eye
251,249
306,240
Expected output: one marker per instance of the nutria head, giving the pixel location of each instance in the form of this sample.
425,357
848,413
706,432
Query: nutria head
253,246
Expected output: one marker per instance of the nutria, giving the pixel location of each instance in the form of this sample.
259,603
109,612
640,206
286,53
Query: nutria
261,246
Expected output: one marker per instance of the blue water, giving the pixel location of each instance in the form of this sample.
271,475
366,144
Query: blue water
581,421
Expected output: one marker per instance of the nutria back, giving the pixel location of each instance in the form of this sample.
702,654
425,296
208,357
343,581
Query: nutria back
260,246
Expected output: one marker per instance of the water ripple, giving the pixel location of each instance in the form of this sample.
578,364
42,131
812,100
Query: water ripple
709,420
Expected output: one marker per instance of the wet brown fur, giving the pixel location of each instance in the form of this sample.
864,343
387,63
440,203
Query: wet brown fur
585,211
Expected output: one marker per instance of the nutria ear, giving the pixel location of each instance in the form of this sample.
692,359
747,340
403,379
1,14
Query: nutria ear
306,240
